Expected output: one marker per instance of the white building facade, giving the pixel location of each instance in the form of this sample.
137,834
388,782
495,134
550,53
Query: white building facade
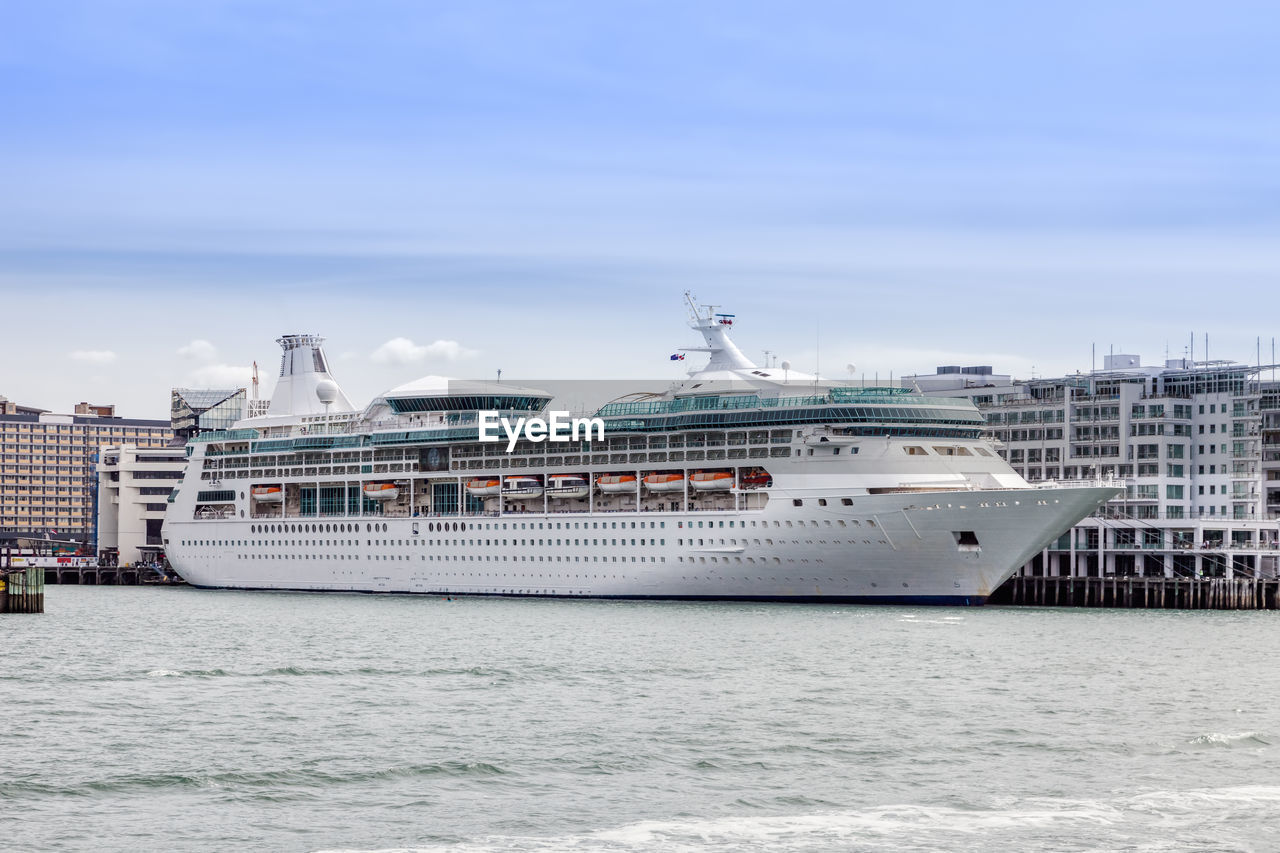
133,491
1197,445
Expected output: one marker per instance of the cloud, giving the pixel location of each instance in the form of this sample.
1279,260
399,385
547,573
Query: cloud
93,356
220,376
405,351
200,350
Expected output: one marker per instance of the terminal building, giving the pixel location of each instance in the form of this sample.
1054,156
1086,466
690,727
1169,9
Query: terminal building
134,484
1196,444
134,481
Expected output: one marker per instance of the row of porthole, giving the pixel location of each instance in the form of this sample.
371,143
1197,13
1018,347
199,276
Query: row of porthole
316,528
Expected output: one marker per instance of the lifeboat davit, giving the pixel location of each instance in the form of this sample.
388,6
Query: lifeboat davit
615,484
521,488
712,481
484,487
568,487
381,491
268,494
664,482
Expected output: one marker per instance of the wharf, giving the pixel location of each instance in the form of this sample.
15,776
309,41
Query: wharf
1139,592
21,591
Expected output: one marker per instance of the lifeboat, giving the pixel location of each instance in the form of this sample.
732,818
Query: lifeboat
614,484
664,482
757,479
521,488
712,481
268,494
568,487
381,491
484,487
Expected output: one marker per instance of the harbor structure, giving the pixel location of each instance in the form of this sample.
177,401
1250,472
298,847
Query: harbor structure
1197,445
134,484
48,481
196,410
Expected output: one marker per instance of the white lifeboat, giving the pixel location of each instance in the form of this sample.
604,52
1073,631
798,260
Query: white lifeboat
568,487
616,484
712,481
664,482
521,488
484,487
268,494
381,491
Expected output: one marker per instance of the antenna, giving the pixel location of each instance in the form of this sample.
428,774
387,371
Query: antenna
499,374
255,381
817,346
693,305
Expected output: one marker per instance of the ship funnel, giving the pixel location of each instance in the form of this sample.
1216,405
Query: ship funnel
305,386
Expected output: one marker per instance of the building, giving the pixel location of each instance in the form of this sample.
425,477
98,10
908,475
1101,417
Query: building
196,410
48,482
133,491
1197,446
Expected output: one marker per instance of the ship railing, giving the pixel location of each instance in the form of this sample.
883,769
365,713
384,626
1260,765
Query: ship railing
1082,484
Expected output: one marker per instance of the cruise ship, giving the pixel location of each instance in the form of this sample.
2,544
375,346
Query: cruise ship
740,482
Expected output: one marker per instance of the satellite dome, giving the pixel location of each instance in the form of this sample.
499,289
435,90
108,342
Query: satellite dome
327,391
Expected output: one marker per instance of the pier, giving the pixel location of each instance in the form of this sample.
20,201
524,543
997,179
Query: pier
21,591
1159,593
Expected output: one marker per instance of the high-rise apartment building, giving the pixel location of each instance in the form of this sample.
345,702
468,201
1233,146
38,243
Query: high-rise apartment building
1197,446
48,480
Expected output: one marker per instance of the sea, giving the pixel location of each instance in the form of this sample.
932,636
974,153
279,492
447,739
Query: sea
141,718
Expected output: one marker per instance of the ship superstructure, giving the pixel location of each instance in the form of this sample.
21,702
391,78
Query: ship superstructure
740,482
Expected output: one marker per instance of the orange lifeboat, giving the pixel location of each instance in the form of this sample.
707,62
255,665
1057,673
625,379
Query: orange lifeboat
614,484
381,491
268,494
484,487
712,481
756,479
664,482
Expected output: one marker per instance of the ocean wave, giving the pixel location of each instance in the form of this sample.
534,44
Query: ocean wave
1134,822
1239,739
283,783
294,670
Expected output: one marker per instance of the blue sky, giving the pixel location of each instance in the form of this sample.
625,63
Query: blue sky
537,183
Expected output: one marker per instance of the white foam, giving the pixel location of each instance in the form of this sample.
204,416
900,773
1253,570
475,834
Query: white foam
163,673
905,827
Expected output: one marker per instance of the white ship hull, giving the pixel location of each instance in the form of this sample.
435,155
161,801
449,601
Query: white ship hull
904,548
875,495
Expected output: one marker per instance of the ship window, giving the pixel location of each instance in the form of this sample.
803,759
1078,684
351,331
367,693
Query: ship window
915,451
797,502
846,501
822,501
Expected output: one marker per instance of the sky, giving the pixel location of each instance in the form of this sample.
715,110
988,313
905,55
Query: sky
461,187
